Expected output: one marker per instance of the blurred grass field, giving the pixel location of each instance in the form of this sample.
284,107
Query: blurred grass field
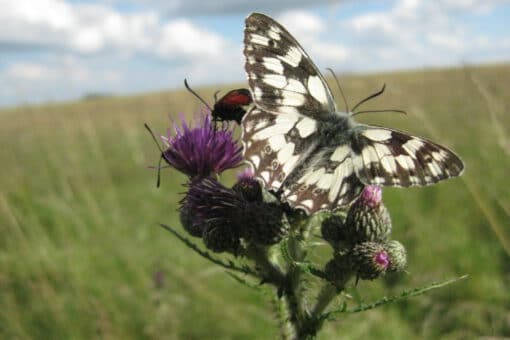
82,256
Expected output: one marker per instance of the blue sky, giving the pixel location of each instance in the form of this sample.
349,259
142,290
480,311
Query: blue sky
53,50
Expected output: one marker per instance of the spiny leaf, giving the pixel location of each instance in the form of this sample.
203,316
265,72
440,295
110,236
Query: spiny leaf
244,282
229,265
385,300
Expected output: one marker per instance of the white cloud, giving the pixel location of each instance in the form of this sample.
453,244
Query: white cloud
83,47
200,7
181,38
301,22
91,28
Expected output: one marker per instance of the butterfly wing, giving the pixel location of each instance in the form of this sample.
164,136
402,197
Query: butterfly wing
281,75
275,145
326,181
389,157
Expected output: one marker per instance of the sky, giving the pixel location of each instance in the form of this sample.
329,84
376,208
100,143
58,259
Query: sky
58,50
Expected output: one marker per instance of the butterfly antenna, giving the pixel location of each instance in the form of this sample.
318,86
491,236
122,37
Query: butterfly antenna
216,96
385,110
196,94
373,95
354,113
158,181
340,88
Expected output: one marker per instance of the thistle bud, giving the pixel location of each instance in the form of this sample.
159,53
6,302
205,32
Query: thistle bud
247,186
370,260
332,229
368,219
190,223
338,270
220,237
397,255
263,223
214,210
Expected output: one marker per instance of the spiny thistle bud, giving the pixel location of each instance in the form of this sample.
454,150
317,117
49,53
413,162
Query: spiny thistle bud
248,186
220,237
370,260
217,210
397,255
194,226
263,223
338,270
368,219
332,229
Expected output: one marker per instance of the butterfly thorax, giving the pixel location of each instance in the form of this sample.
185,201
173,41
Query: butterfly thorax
336,129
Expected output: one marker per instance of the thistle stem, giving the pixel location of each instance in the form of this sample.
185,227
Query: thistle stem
324,298
270,270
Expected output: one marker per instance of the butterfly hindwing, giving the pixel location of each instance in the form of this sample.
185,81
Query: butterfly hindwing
282,77
327,180
390,157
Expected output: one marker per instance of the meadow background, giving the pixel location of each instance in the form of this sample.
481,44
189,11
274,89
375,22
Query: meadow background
82,255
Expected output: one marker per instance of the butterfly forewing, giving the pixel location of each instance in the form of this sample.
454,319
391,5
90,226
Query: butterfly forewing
390,157
275,144
282,77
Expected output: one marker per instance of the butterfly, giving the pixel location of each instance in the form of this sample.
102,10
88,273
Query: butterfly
305,150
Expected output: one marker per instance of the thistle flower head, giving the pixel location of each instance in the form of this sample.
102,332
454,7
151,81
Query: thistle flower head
397,256
333,229
248,186
263,223
339,269
371,196
370,260
211,211
368,219
209,200
201,151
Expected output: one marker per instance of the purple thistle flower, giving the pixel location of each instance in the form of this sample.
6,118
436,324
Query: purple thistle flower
382,259
246,174
370,260
371,195
201,151
248,186
367,218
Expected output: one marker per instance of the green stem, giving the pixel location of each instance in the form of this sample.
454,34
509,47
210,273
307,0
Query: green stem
326,295
287,328
270,270
324,298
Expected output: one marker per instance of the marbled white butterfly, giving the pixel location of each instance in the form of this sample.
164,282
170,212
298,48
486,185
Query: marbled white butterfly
302,148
